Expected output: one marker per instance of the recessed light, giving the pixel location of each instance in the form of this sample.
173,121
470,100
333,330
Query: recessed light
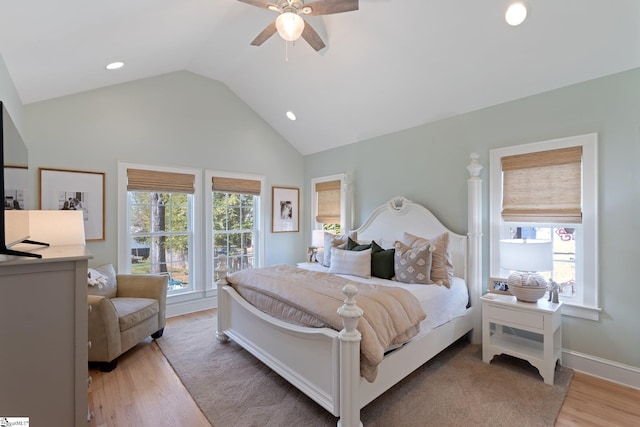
516,14
115,65
290,115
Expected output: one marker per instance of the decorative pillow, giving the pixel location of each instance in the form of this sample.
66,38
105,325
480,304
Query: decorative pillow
335,241
106,275
352,245
382,262
441,268
355,263
413,265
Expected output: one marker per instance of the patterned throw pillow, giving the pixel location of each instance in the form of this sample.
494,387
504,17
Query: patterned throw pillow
109,288
413,265
441,268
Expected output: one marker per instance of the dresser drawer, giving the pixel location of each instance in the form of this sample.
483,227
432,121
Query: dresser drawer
516,317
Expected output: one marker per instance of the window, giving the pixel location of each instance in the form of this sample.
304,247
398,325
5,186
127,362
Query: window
159,232
548,191
234,224
329,203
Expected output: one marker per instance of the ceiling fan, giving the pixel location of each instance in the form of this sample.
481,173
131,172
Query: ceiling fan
290,25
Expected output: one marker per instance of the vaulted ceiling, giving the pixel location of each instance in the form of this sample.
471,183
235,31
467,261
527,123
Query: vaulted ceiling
391,65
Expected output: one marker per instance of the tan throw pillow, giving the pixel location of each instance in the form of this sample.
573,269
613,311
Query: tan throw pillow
412,265
441,266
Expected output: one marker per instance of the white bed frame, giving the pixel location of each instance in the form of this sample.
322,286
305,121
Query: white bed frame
324,363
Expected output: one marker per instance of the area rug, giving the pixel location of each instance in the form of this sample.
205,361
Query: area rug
233,388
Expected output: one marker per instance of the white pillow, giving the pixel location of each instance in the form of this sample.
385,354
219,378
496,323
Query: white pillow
335,241
355,263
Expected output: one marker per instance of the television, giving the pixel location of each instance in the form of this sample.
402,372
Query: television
14,218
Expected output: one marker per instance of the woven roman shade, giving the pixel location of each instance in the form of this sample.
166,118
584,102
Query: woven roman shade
160,182
235,185
545,186
328,202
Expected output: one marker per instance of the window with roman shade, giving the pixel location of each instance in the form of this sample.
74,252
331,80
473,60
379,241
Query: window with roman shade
543,186
328,202
159,228
234,226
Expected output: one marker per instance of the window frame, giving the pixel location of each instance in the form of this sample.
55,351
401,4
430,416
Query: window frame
345,209
588,308
210,286
124,238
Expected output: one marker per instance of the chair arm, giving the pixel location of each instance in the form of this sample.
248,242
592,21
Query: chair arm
145,286
104,329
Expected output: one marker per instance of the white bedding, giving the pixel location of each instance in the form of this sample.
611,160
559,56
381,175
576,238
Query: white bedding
441,304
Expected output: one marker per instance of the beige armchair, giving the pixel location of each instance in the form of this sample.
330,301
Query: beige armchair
121,316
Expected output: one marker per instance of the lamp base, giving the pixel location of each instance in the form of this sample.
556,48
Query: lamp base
527,287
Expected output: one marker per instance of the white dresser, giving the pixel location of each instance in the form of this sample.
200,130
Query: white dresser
43,337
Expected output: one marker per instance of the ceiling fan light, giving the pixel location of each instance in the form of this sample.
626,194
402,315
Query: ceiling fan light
516,14
290,26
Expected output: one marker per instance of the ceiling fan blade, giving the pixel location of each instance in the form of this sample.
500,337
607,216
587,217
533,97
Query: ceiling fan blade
327,7
258,3
312,37
265,34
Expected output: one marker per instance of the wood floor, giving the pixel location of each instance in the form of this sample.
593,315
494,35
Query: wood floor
144,391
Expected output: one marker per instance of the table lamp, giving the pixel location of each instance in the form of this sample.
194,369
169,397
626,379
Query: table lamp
525,258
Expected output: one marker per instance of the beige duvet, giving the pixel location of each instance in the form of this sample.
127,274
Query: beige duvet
391,315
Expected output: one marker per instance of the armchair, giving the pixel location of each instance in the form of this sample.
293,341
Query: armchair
121,316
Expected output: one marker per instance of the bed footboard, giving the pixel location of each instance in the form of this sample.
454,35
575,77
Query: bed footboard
311,359
306,357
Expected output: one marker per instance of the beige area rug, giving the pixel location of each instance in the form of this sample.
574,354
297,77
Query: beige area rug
455,388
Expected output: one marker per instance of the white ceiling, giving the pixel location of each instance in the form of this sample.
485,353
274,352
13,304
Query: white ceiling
391,65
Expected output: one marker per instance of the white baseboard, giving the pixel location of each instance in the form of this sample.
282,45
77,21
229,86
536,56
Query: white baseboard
192,306
601,368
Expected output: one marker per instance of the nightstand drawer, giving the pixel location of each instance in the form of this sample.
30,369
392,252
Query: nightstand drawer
517,317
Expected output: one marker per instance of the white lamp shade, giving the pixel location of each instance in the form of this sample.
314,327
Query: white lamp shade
290,26
526,255
57,227
317,238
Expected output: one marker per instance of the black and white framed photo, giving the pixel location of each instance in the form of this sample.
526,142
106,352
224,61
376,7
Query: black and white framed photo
498,285
75,190
286,209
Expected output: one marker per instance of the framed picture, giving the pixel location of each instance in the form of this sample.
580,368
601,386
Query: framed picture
77,190
16,182
286,209
499,285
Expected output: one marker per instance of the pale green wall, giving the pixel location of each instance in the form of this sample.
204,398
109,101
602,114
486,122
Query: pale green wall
427,165
9,96
176,119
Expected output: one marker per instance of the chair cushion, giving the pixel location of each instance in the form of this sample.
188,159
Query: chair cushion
132,311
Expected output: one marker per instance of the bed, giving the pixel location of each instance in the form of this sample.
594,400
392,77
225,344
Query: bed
324,363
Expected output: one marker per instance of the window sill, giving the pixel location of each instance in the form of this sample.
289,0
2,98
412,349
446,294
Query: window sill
581,311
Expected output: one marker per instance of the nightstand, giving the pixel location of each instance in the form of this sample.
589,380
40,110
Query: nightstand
529,331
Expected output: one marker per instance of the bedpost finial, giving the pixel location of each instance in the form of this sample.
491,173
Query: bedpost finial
350,312
474,166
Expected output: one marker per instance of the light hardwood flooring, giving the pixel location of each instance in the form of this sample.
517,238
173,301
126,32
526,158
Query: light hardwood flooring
144,391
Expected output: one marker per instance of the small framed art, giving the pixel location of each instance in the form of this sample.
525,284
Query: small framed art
286,209
498,285
75,190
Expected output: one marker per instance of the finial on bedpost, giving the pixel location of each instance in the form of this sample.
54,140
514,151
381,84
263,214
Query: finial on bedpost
221,268
474,166
350,313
